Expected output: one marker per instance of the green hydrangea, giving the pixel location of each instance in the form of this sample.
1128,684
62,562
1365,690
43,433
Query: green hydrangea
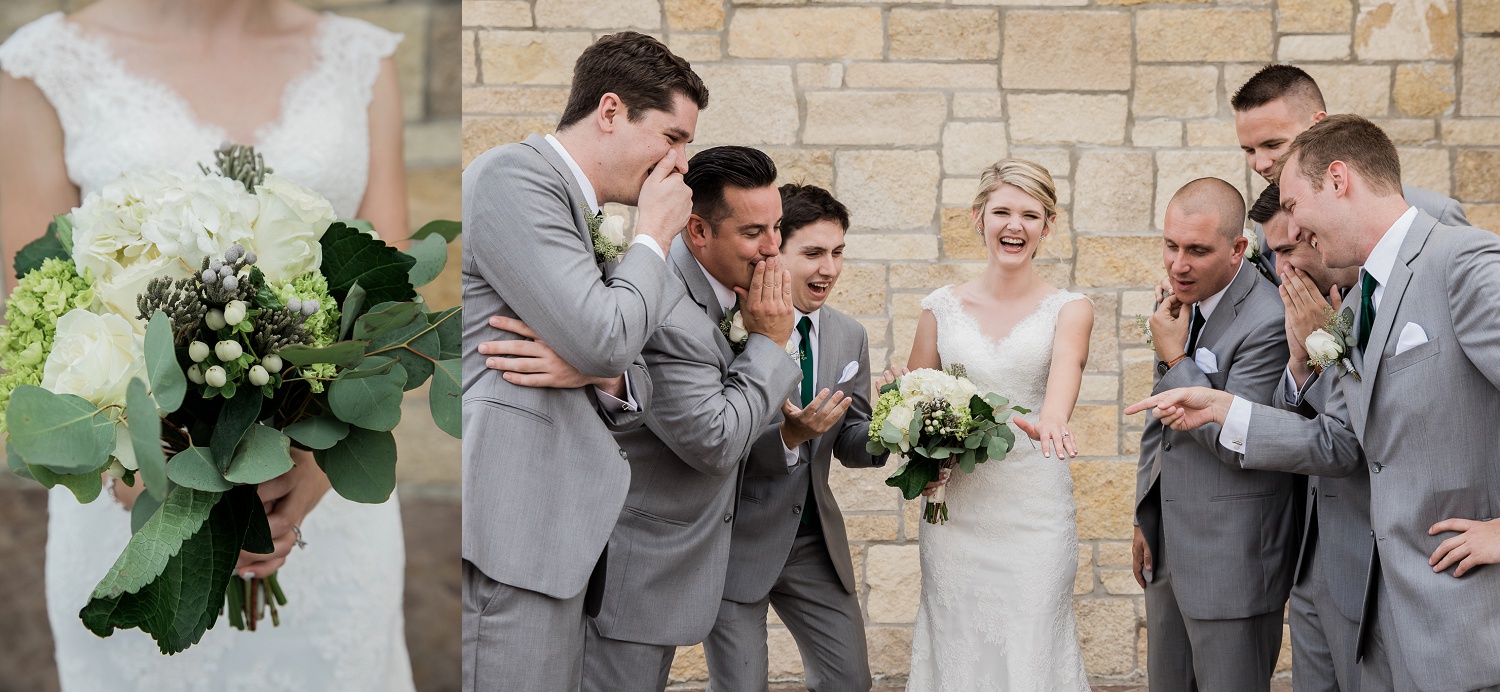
322,326
42,296
882,411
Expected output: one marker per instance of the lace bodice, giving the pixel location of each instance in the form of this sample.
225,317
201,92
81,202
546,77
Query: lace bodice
115,121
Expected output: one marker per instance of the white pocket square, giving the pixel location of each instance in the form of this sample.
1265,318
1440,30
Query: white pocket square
1412,336
849,372
1207,361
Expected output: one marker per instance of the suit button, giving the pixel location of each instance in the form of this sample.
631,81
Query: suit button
622,454
1375,468
1372,534
797,509
728,517
1167,446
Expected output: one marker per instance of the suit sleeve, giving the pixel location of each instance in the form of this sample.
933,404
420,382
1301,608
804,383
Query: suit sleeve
1473,285
1324,445
640,385
769,453
854,429
1453,214
708,418
527,246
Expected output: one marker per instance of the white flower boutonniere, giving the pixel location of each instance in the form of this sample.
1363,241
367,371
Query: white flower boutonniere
733,329
1253,254
607,231
1330,345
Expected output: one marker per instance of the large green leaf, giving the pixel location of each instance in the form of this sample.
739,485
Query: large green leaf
187,593
448,230
262,455
350,256
431,254
344,353
144,508
258,532
362,466
914,477
318,432
194,468
66,431
351,309
148,551
416,345
85,486
384,318
373,403
37,251
238,414
16,462
444,397
168,383
450,330
145,436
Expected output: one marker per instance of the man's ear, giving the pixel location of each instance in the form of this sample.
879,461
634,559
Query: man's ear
610,113
1337,176
1241,244
697,231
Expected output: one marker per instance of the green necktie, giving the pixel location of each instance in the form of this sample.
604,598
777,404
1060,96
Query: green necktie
1366,309
804,353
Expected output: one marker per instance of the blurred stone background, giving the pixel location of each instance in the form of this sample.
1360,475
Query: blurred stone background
897,106
428,473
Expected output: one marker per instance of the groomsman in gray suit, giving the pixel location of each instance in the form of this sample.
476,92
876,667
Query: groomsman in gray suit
1419,394
1280,102
1213,543
789,550
712,397
543,480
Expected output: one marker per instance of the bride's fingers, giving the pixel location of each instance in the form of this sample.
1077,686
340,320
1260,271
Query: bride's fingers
1069,444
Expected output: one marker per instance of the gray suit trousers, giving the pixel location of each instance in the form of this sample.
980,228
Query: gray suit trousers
1323,640
821,615
612,665
515,639
1185,655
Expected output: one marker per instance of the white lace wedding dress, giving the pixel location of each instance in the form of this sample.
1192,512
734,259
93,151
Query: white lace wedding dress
342,628
996,609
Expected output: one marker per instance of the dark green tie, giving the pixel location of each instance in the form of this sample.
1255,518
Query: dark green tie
804,352
1367,286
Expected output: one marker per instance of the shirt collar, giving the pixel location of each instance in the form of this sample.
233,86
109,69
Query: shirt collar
812,315
726,295
1383,257
583,181
1207,305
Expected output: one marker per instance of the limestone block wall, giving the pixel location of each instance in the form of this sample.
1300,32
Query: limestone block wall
897,106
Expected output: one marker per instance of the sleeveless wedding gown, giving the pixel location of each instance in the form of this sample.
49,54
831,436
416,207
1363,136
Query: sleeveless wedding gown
342,628
996,609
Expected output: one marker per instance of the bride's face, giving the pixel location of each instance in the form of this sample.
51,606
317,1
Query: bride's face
1013,224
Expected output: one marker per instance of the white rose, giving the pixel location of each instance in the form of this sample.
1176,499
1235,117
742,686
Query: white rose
292,219
1322,346
900,416
737,331
613,229
117,290
95,357
197,216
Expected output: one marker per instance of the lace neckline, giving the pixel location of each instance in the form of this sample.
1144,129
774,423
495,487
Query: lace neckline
114,67
973,322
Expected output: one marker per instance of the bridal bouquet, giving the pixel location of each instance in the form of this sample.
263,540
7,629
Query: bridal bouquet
938,420
182,331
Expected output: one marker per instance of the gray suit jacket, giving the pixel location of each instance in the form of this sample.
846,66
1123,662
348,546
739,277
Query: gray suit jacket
543,480
664,576
1229,532
1426,420
1437,205
771,497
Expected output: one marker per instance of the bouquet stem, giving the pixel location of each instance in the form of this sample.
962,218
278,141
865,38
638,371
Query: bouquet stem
937,509
249,599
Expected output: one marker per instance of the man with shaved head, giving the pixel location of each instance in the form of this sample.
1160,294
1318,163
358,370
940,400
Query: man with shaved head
1213,542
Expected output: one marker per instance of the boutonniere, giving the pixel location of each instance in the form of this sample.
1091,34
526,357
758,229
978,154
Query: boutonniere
1258,260
1330,345
1143,323
733,329
607,231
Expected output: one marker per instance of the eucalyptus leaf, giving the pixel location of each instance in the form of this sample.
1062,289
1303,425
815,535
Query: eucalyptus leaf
875,447
890,433
145,505
362,466
16,462
70,433
384,318
447,230
318,432
86,486
966,461
416,345
235,418
342,353
431,254
194,468
373,403
444,398
145,435
370,367
450,330
168,383
263,454
350,256
352,308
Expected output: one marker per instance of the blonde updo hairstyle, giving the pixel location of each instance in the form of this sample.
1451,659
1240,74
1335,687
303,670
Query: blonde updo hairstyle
1031,177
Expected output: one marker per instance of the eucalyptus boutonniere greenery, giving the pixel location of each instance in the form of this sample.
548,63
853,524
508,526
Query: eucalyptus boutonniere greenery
607,231
733,329
1330,345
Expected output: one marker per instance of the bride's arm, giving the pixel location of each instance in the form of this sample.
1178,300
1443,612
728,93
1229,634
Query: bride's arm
924,351
1070,352
384,205
34,183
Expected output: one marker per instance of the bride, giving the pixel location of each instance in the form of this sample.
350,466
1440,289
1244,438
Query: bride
996,607
138,85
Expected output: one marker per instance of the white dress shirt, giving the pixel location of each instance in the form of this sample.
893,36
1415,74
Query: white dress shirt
1378,265
812,335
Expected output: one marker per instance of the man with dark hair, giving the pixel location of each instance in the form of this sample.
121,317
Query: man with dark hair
540,499
1415,401
789,550
1213,544
719,371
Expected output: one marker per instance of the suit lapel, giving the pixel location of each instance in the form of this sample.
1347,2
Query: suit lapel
1228,307
1390,304
575,193
830,352
691,273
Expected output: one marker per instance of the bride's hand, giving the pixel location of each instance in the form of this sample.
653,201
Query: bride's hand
892,373
1055,436
288,499
943,478
126,494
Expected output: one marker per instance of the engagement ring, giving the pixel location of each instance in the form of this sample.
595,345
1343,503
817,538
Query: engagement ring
1067,434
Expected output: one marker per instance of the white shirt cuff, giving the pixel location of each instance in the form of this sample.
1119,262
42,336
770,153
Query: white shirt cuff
1236,425
649,242
792,453
615,405
1289,388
